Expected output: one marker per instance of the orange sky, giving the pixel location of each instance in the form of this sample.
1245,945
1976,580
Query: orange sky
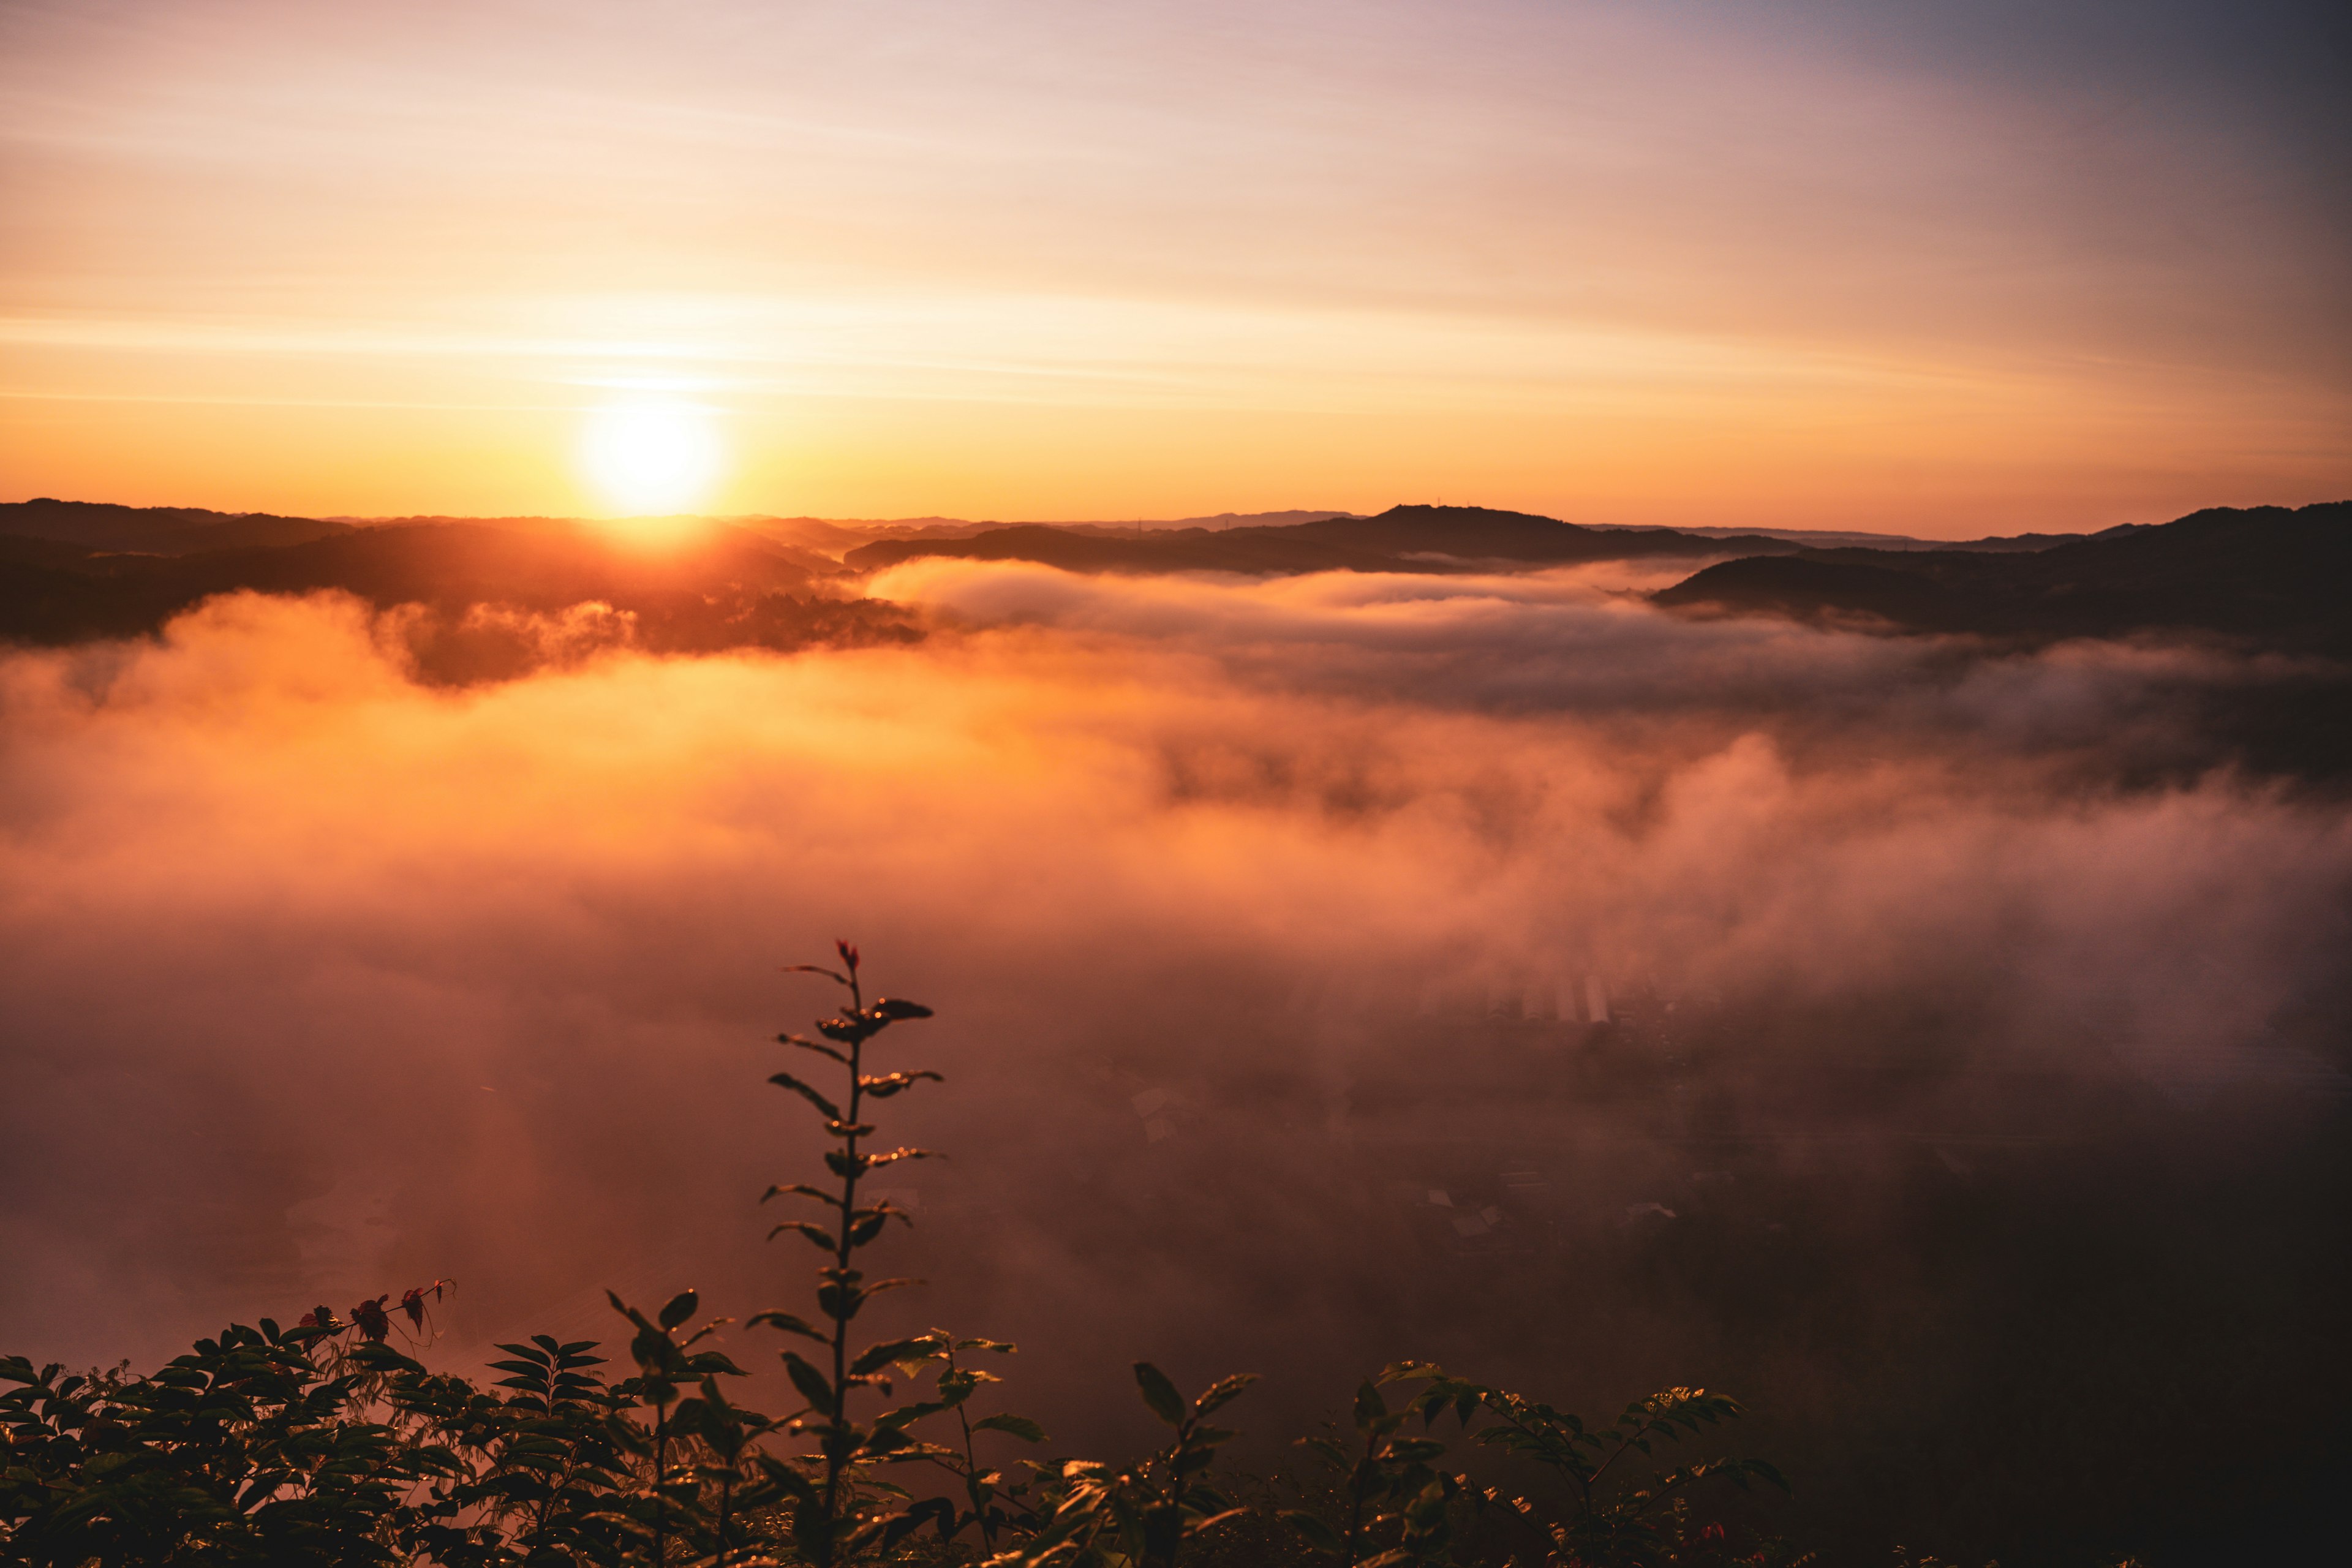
1727,264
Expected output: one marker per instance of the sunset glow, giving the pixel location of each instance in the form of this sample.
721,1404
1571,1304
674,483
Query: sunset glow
1931,270
1587,756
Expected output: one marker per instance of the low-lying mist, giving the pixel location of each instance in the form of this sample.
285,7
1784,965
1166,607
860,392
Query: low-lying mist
1942,1050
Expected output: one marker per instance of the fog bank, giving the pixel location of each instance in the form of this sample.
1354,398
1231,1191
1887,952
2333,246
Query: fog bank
1253,914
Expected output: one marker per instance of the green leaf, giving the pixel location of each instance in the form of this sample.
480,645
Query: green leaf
1159,1394
1020,1427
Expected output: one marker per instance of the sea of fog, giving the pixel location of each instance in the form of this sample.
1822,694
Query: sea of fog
1941,1049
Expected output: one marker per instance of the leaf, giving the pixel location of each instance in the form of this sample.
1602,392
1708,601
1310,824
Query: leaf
1330,1447
680,1308
936,1511
1020,1427
899,1007
1224,1391
812,1384
883,1085
1369,1407
907,1415
1214,1519
1159,1394
816,1236
819,1047
801,1189
807,1091
1319,1535
792,1325
877,1357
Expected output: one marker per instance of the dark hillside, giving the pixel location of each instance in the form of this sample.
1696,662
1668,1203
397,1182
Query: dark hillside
157,530
2268,573
1401,538
729,588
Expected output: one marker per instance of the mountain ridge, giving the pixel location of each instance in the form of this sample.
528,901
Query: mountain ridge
1412,537
2274,574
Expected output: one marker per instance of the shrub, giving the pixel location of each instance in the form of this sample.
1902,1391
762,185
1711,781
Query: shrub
324,1444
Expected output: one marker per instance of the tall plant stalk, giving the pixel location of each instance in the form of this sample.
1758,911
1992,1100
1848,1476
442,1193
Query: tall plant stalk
824,1525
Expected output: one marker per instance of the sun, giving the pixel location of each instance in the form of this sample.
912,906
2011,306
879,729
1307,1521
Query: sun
651,457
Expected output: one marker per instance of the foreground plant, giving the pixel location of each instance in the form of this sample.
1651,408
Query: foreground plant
327,1444
1601,1511
837,1505
1100,1516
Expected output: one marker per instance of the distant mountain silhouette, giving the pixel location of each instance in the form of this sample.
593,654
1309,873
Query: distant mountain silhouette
157,530
1833,539
72,571
2269,573
727,587
1401,538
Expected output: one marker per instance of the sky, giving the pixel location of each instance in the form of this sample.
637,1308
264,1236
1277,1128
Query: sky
1939,269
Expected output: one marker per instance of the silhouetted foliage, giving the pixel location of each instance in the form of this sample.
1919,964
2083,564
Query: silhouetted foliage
329,1444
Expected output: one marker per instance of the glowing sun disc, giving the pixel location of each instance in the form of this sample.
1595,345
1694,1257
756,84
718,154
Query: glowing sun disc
651,456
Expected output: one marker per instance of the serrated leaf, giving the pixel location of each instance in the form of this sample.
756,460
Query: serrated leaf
1019,1426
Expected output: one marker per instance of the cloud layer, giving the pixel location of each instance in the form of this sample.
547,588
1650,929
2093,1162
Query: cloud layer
322,982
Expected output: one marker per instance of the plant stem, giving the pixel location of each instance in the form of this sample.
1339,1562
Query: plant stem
661,1474
836,1447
